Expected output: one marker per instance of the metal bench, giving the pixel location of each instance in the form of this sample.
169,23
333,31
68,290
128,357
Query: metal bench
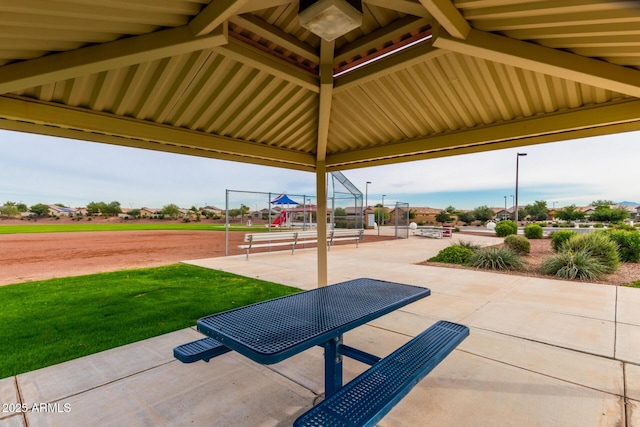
337,235
369,397
202,349
436,232
267,240
295,238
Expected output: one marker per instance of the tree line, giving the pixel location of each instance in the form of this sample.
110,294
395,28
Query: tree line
538,211
12,209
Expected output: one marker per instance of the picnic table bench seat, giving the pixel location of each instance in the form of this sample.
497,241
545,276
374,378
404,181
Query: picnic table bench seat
202,349
369,397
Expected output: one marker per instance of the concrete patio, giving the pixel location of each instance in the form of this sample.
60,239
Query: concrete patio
541,353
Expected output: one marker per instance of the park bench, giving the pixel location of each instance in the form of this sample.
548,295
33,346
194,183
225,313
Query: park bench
298,238
337,235
435,232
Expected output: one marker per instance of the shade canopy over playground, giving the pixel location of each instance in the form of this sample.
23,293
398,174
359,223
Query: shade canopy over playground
283,199
242,80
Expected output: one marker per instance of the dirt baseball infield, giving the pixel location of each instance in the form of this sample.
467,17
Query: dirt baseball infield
39,256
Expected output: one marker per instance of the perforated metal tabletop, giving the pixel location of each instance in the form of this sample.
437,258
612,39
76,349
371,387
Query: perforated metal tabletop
271,331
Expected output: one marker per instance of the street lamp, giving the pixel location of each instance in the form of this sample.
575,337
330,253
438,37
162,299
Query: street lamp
505,206
381,214
366,202
517,166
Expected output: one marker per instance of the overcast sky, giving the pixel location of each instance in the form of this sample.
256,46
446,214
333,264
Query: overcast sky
41,169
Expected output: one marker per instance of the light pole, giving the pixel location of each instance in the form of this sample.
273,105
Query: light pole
381,214
517,166
512,202
505,206
366,202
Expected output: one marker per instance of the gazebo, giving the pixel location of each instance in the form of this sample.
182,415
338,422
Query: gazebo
279,83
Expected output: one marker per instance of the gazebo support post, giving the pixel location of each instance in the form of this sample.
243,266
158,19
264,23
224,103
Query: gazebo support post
321,220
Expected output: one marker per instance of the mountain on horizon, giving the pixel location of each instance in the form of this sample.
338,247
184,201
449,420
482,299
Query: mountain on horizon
626,203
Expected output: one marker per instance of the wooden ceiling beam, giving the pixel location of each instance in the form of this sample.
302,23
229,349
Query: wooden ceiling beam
97,58
447,15
133,132
601,120
214,15
255,5
274,34
263,61
380,37
405,6
536,58
391,64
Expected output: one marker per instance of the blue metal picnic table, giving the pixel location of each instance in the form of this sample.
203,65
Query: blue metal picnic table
272,331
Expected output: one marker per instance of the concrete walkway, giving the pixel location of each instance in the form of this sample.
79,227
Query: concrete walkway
541,353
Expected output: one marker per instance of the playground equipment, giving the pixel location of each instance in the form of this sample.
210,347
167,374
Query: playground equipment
280,219
282,199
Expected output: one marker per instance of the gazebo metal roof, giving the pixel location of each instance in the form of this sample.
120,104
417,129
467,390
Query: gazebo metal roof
241,80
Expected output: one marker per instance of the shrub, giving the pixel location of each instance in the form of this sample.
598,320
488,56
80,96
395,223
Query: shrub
496,259
533,231
599,244
581,265
505,228
635,284
468,244
624,227
628,244
559,237
453,255
518,244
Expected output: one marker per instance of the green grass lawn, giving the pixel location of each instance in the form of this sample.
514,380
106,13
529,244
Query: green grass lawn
129,226
47,322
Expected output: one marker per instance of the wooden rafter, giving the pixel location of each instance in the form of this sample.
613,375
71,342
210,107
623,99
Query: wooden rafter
102,57
624,116
544,60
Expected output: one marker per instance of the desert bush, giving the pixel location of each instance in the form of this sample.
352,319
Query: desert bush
496,259
454,254
559,237
580,264
625,227
518,244
635,284
628,244
599,244
467,244
505,228
533,231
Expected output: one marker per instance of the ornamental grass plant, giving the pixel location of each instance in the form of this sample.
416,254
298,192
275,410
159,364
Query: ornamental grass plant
570,265
496,258
601,247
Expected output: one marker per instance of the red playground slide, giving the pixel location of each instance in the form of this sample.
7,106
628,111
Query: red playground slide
281,219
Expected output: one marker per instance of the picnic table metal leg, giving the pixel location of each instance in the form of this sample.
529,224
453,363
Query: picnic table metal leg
332,367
